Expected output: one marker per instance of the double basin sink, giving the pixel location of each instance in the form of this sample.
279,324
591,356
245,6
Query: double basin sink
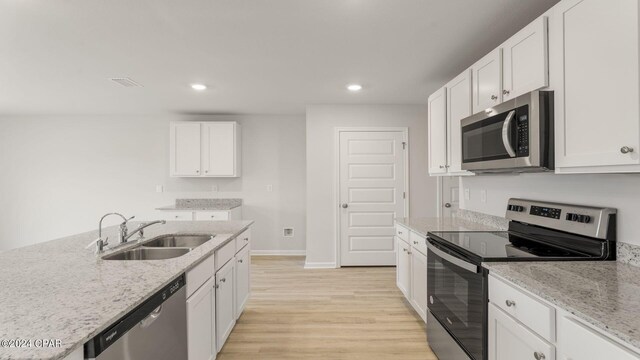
161,247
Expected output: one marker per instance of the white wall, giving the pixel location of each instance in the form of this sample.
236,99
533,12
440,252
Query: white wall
321,207
60,174
617,191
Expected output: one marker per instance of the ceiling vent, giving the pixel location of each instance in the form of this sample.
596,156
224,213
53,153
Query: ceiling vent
126,82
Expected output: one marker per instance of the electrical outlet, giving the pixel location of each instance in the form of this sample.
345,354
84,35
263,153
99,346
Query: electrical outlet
483,196
269,188
214,188
287,232
159,188
467,194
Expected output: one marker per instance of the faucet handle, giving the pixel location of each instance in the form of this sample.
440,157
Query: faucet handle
97,241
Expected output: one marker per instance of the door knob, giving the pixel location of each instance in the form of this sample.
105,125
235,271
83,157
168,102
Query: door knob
626,149
447,205
345,205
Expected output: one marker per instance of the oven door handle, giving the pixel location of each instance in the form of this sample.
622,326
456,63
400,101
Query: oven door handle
505,134
452,259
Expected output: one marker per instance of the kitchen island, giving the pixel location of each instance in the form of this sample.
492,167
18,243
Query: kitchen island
61,291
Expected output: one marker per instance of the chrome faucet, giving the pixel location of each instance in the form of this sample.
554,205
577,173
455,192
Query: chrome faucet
102,243
139,230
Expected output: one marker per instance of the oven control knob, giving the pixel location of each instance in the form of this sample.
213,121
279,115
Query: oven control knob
586,219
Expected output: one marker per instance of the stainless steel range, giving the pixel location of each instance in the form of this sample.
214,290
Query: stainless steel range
457,286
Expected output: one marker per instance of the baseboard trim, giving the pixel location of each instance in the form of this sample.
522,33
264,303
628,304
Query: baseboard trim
278,252
319,265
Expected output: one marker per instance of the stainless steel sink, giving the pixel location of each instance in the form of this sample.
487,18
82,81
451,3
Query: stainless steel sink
178,241
142,253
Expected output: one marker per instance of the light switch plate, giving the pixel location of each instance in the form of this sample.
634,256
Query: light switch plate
467,194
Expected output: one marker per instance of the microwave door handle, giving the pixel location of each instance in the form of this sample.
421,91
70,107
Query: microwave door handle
454,260
505,134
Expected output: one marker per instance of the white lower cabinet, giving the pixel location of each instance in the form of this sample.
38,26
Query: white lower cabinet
411,268
243,279
509,339
225,303
403,267
419,282
201,323
513,316
577,341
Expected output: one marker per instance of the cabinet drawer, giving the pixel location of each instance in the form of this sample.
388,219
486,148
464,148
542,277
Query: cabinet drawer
402,232
224,254
212,215
199,274
418,242
177,215
243,240
536,315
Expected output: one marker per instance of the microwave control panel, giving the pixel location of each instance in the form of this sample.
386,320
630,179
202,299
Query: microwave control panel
522,126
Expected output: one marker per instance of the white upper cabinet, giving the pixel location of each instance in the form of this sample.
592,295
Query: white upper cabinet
205,149
594,72
185,149
220,144
437,128
487,81
525,60
458,108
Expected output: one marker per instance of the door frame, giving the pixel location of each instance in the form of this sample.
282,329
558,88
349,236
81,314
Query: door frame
336,167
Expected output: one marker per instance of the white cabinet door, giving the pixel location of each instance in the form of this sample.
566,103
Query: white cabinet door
419,283
487,81
219,148
77,354
577,342
508,339
594,58
525,59
225,303
243,279
403,267
437,128
185,149
458,108
211,215
177,215
200,323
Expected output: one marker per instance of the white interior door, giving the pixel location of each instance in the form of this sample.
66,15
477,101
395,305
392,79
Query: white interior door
449,194
372,188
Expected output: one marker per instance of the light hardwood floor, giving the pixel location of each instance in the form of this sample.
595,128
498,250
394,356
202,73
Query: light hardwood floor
349,313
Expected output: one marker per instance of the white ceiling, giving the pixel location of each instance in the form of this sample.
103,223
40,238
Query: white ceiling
256,56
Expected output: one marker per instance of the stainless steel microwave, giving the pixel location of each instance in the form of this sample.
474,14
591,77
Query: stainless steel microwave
515,136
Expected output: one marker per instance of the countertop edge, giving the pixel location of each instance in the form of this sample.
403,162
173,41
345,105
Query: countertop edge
212,208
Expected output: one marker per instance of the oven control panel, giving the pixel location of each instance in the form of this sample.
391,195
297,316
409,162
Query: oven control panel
547,212
577,219
523,132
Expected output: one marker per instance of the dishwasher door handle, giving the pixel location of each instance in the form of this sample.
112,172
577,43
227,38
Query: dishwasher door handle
155,314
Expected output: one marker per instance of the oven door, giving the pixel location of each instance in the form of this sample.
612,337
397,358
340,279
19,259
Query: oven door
456,293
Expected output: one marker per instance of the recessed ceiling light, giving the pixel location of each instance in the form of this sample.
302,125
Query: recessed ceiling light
354,87
199,87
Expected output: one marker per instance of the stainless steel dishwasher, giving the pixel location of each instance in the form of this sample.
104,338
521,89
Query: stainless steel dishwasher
155,330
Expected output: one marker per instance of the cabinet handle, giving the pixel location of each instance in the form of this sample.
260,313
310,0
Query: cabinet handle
223,280
400,232
494,97
206,171
197,171
441,166
505,92
177,216
539,356
213,216
403,249
217,286
626,149
510,303
415,243
246,239
408,252
240,261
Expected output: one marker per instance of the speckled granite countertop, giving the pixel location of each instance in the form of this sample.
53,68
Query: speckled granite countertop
424,225
605,294
60,290
203,204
